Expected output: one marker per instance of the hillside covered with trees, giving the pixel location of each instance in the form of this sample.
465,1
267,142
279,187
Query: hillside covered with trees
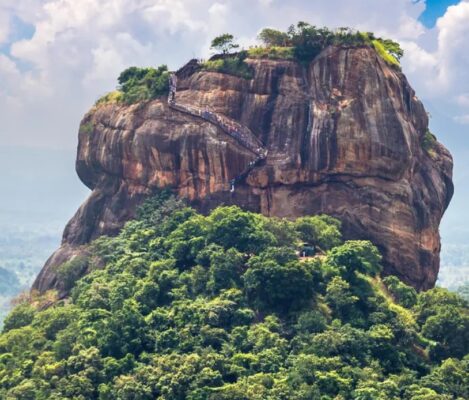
224,306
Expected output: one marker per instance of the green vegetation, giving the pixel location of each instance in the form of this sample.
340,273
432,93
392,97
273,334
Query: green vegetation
304,42
272,52
185,306
233,64
224,43
71,271
138,84
388,50
429,142
114,97
88,127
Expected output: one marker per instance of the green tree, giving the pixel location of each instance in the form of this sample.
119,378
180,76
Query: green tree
450,328
224,43
140,84
275,287
273,37
393,48
195,307
321,231
225,269
355,256
233,227
403,294
21,315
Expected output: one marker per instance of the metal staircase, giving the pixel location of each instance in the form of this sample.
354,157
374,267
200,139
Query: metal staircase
242,134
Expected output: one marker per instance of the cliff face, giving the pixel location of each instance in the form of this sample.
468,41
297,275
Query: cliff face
343,136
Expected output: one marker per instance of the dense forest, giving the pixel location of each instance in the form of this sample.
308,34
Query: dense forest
234,305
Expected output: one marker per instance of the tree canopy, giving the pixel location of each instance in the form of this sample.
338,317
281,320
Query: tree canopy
307,41
224,43
185,306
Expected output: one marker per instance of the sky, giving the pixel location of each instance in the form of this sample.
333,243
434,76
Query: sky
58,56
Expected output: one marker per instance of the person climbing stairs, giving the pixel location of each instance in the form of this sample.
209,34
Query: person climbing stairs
242,134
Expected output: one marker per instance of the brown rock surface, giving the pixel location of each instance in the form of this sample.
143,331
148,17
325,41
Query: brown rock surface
344,137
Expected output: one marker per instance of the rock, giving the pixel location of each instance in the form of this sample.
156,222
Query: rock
344,137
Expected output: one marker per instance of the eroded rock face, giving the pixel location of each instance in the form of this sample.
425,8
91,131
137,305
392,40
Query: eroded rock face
344,137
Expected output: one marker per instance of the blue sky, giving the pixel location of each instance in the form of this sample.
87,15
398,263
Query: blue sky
433,10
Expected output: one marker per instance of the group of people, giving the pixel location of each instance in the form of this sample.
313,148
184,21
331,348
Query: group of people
230,127
172,88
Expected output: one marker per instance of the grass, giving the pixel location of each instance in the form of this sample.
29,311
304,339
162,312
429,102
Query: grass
403,313
233,65
110,98
273,52
87,127
429,143
388,58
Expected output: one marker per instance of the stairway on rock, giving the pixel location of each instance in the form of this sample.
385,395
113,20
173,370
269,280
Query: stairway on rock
242,134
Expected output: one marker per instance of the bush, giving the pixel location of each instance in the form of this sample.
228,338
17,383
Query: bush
21,315
69,272
381,49
402,294
234,315
304,42
321,231
139,84
272,52
230,64
429,143
114,97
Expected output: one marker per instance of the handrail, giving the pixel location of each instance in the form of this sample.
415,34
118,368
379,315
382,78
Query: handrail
240,133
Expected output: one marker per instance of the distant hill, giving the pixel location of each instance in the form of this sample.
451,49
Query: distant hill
40,192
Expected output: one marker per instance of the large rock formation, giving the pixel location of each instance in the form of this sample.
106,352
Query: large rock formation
344,137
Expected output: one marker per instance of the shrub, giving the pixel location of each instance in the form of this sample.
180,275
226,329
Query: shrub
114,97
429,143
140,84
272,52
87,127
403,294
232,65
321,231
385,54
69,272
304,42
21,315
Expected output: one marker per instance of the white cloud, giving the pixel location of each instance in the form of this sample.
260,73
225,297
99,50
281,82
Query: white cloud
4,27
79,47
438,63
462,119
